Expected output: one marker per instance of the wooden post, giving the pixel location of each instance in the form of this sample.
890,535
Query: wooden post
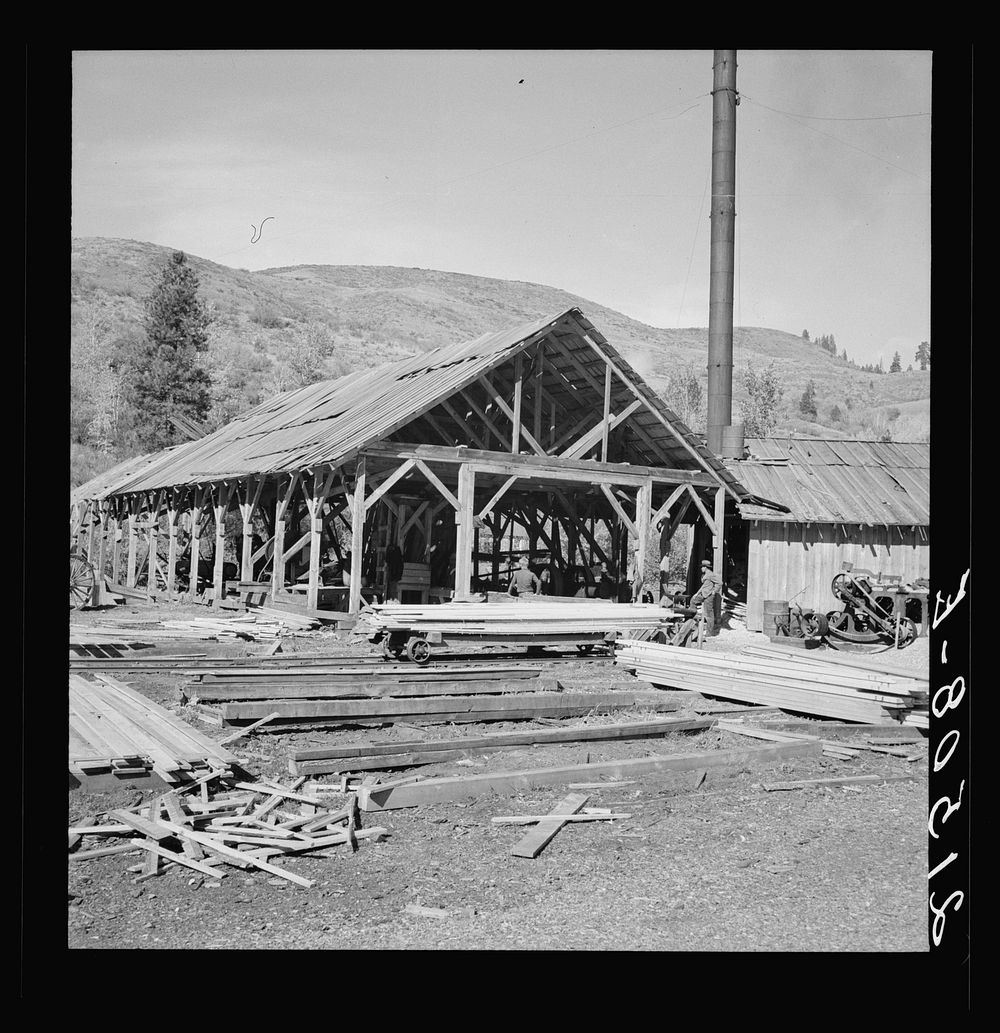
643,512
607,414
116,555
357,536
221,508
720,520
539,374
464,519
248,506
280,509
200,498
154,528
173,512
91,531
515,438
133,541
102,519
320,489
495,572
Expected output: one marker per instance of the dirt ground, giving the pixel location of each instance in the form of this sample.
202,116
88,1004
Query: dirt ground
720,866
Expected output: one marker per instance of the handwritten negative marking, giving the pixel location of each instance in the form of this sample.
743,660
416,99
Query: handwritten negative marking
256,231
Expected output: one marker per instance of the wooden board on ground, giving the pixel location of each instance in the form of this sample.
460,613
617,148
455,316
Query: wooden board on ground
540,836
377,798
319,688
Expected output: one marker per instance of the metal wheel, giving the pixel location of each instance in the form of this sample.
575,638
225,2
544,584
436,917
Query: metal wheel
82,580
815,625
418,650
908,631
584,648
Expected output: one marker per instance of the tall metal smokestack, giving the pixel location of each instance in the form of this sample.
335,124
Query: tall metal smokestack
720,304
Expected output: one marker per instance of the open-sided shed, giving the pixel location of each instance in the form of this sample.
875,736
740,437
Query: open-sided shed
544,425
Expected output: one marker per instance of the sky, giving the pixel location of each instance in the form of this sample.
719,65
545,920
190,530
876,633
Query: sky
583,170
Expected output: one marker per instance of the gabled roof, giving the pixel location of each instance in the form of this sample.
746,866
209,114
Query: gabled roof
328,422
834,481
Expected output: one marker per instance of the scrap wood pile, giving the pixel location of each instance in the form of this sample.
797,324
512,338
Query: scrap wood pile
247,825
113,729
547,618
260,624
796,681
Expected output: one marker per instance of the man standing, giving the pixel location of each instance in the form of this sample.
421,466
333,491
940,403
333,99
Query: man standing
523,579
711,587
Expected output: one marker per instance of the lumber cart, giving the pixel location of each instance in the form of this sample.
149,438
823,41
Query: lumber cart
421,633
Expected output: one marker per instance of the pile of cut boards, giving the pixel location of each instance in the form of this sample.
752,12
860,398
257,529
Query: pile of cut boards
376,694
548,618
260,624
246,825
863,689
113,729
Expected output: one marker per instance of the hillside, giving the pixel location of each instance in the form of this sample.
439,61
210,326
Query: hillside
277,328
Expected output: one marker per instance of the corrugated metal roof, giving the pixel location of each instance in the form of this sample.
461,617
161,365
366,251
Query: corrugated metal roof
325,422
836,481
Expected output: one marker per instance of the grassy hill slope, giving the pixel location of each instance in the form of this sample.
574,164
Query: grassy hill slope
276,328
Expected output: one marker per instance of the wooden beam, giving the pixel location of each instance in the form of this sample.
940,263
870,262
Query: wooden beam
357,536
221,508
464,536
592,437
514,418
605,422
173,512
617,507
518,377
116,555
441,790
643,505
701,506
282,502
133,541
154,523
436,481
395,476
719,532
491,426
199,499
487,509
665,508
542,834
462,422
248,506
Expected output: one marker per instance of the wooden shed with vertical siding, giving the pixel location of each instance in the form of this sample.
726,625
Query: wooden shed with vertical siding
860,502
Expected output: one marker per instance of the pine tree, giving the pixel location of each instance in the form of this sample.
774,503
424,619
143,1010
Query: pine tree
169,380
807,403
896,366
923,355
805,335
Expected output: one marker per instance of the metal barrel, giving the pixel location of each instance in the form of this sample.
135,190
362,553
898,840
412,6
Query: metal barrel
774,608
732,441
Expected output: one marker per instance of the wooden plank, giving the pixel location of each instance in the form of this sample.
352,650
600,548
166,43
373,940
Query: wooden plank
772,787
248,729
148,828
540,836
427,705
315,689
186,861
376,798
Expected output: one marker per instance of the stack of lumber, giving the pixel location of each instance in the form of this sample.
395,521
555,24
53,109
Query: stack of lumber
791,681
545,618
385,756
368,680
379,710
248,826
114,729
250,626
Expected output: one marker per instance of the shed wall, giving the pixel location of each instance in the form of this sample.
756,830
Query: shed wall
787,558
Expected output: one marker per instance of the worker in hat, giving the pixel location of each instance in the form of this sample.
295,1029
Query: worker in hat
711,588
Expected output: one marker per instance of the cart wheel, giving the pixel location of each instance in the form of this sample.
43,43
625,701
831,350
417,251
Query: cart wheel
82,579
585,648
391,651
418,650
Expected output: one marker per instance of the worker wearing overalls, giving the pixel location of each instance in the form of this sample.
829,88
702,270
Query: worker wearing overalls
711,588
